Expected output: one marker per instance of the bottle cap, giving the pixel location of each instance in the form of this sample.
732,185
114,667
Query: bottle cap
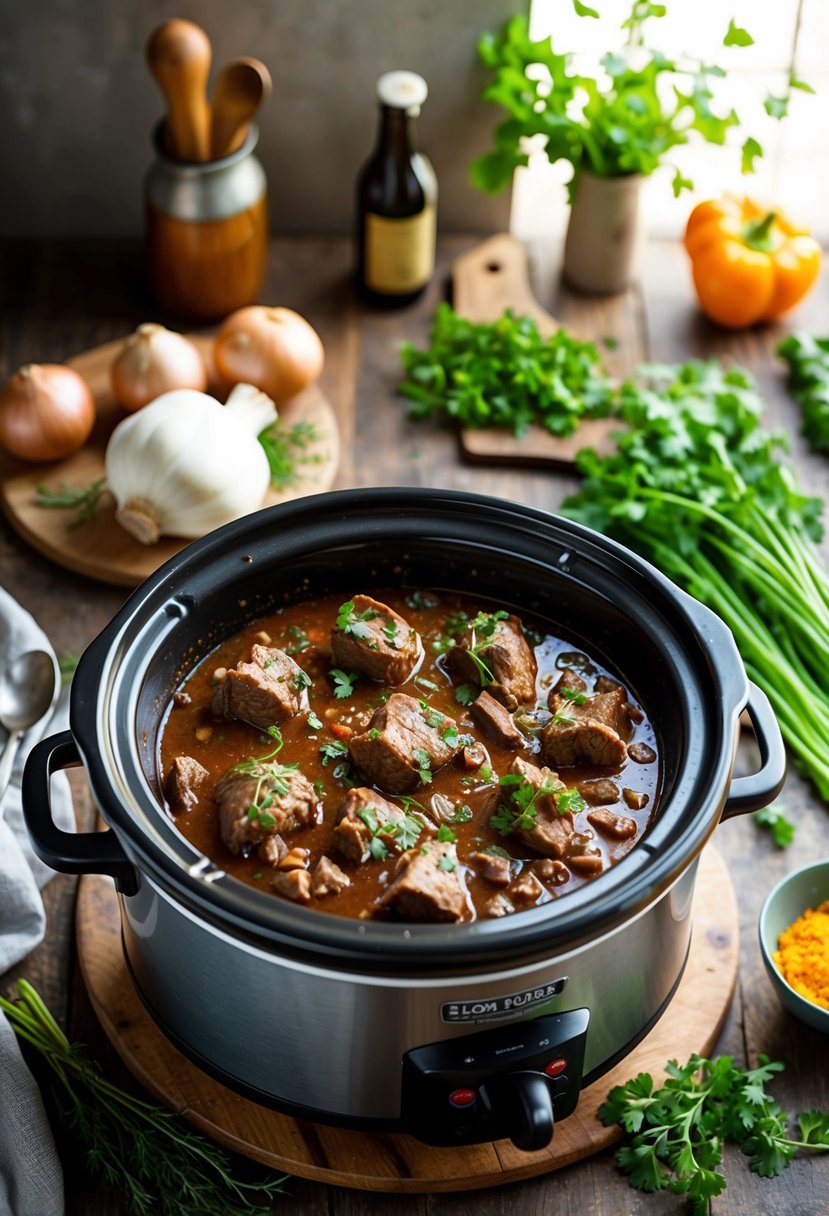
404,90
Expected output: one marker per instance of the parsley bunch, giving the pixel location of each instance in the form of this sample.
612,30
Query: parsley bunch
146,1153
504,374
697,486
625,118
808,360
677,1132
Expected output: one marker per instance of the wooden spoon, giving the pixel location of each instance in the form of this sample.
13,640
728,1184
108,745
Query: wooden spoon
241,87
179,56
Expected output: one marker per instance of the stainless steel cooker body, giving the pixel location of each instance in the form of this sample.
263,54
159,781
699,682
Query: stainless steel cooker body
446,1030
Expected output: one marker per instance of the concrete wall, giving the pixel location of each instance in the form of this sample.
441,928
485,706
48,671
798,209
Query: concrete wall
78,104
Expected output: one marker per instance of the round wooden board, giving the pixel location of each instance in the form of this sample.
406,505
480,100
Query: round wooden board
101,548
377,1162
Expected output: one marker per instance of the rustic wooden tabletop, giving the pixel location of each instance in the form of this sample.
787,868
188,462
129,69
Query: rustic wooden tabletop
65,298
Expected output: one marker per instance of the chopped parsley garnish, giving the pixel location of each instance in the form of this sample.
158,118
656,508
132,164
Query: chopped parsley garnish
441,644
521,811
374,733
422,599
456,623
333,751
445,834
465,694
462,814
431,716
404,832
313,721
447,865
319,787
424,762
270,777
301,640
422,682
782,829
450,735
302,680
390,633
495,850
569,802
342,775
570,694
353,623
562,720
344,682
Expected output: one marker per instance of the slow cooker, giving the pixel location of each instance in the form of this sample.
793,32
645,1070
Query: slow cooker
454,1033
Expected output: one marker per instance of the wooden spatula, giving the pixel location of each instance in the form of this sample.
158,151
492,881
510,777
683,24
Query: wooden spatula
179,56
241,87
491,277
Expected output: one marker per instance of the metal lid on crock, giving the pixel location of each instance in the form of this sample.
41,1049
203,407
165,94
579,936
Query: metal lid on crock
402,90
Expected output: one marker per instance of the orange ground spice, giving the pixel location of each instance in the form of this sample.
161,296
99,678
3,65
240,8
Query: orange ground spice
803,955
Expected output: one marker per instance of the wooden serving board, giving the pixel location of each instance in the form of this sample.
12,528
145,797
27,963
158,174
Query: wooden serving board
101,548
491,277
377,1162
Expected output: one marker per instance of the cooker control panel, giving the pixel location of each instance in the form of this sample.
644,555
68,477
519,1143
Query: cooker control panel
509,1083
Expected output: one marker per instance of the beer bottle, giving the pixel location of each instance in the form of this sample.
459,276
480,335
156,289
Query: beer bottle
396,200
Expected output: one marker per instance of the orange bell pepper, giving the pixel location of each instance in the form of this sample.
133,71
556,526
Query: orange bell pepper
748,264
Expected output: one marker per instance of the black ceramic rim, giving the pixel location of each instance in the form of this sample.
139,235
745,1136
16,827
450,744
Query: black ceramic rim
690,639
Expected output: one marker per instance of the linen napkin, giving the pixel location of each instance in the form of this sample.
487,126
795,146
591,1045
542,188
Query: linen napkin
31,1182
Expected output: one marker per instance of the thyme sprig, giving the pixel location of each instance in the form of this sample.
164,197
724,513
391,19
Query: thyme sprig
159,1165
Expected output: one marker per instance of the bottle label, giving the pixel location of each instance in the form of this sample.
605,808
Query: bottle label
400,253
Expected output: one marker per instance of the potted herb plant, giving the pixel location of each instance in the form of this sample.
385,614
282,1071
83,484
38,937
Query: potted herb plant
614,127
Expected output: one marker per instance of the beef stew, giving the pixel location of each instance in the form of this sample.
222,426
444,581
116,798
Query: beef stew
408,755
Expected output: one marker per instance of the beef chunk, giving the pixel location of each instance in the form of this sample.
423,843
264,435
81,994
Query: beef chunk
272,850
328,878
377,642
617,827
526,891
550,831
400,745
572,681
428,885
293,884
184,778
496,721
266,690
498,905
493,868
282,801
352,835
606,684
505,653
589,733
588,865
640,753
601,792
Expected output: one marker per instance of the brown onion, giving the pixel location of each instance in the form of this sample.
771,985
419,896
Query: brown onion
155,360
46,412
273,348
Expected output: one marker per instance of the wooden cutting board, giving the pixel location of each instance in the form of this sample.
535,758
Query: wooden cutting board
101,548
491,277
380,1162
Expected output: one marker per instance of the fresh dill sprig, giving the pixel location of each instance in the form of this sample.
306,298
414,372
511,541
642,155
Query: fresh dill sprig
84,500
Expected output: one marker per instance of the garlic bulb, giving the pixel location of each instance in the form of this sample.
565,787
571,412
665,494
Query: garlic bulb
186,464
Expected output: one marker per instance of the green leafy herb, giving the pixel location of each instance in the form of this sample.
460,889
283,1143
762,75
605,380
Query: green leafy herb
344,682
808,361
390,634
445,834
286,450
569,694
419,600
520,811
271,778
627,116
504,374
300,642
352,622
374,733
423,682
569,802
676,1133
84,500
302,680
404,832
462,814
148,1155
697,487
313,721
342,774
333,751
447,865
424,761
431,716
465,694
782,829
456,623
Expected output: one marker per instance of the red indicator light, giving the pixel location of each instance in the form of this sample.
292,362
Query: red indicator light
555,1068
462,1097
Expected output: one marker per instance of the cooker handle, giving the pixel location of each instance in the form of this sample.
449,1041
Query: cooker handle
69,852
758,789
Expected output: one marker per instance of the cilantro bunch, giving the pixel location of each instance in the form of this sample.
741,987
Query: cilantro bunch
808,360
677,1133
504,374
697,486
625,118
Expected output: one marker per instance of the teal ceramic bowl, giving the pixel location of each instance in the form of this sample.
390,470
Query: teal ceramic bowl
805,888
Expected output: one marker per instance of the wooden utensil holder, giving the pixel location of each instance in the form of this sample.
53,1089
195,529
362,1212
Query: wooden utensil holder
207,232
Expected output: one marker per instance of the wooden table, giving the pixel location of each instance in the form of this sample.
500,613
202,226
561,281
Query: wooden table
64,298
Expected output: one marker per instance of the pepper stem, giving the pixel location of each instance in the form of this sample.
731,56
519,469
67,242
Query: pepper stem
757,233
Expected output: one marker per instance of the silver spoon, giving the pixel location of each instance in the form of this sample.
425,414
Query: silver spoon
28,689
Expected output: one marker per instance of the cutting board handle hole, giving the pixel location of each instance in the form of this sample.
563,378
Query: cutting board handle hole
493,267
